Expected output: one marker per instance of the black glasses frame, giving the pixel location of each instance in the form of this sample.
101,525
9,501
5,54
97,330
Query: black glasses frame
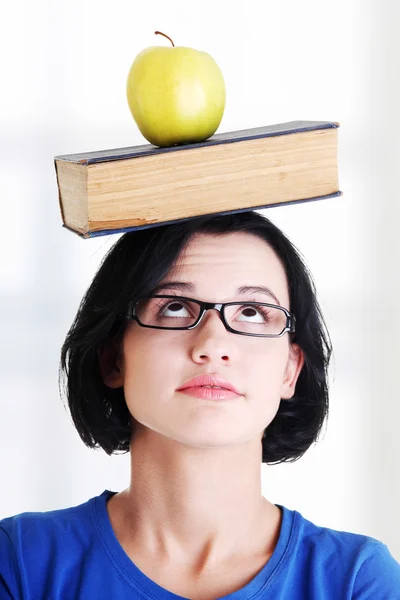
220,307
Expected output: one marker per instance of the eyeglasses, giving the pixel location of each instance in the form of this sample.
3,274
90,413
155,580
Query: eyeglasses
244,318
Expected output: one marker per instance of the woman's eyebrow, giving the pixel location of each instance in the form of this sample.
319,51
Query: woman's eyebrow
253,289
189,287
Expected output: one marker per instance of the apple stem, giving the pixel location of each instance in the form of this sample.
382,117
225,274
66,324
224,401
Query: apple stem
161,33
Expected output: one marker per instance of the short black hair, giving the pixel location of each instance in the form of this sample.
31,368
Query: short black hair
135,265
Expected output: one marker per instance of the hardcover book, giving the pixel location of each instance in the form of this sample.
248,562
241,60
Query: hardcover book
123,189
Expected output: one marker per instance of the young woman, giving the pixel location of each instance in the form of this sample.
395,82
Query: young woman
199,348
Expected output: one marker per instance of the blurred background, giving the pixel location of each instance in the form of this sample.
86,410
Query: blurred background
64,69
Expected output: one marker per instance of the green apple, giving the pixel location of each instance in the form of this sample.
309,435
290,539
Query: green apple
176,94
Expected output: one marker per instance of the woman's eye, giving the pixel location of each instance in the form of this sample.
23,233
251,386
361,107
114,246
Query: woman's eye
174,307
254,313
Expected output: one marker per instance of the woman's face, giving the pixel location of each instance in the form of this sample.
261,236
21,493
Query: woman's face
155,363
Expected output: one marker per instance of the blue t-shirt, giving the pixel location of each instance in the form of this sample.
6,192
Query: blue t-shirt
73,554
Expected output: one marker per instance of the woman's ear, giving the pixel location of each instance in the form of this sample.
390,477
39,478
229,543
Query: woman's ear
293,368
111,365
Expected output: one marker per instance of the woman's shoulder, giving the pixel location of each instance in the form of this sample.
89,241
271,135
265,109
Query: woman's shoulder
34,543
39,527
43,517
362,561
323,539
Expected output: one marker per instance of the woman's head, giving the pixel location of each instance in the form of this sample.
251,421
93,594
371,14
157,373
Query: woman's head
121,376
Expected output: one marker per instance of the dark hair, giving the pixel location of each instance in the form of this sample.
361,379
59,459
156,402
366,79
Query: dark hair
135,265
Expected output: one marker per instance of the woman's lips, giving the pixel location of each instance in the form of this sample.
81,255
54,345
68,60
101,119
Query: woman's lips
209,380
208,393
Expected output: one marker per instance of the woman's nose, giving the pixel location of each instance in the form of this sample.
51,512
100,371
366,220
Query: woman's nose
212,339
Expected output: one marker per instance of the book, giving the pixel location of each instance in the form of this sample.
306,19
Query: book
123,189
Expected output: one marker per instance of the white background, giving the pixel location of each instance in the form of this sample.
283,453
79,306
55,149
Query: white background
63,75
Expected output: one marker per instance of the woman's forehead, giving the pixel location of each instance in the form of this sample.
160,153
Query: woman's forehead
239,248
231,261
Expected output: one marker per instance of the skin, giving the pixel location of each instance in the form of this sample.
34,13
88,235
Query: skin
194,502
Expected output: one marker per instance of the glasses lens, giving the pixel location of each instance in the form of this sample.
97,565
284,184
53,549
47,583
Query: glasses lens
255,318
169,313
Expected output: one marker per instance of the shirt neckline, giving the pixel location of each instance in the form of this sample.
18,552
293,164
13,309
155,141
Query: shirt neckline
149,590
